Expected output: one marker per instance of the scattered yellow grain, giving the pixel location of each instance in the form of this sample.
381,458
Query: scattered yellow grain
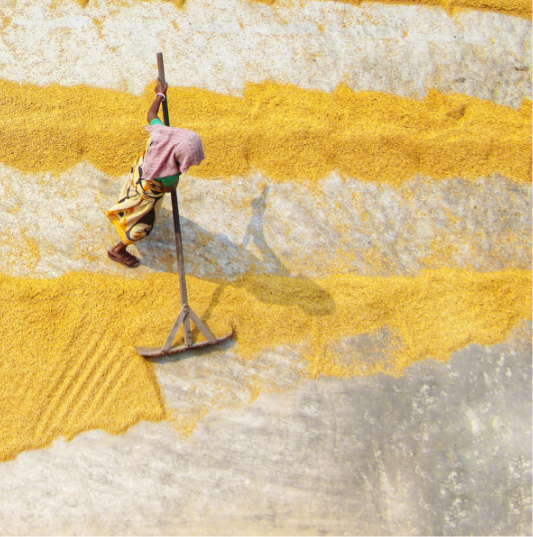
68,363
520,8
286,132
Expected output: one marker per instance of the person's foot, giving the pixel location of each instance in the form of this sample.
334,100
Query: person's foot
119,254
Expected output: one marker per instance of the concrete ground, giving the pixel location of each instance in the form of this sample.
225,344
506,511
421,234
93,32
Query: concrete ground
443,450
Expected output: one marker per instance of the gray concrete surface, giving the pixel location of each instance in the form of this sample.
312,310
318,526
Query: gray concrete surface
444,450
222,44
254,223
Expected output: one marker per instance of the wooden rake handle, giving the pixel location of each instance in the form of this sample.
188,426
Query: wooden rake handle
186,313
177,227
161,73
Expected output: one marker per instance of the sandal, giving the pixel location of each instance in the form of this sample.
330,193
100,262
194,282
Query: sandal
129,260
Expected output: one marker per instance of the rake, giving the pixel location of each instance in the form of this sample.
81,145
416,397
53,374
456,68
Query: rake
186,315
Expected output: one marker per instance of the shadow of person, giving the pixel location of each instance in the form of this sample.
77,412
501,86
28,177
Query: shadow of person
212,256
254,232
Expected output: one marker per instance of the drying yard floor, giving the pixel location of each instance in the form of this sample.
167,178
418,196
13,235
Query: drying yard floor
362,221
363,456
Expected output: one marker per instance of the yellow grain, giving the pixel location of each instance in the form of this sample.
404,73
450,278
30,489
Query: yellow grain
68,363
288,133
520,8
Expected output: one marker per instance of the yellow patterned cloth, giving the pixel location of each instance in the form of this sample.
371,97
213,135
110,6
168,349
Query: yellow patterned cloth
136,211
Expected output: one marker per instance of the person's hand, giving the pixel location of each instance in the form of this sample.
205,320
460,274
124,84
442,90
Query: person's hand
160,88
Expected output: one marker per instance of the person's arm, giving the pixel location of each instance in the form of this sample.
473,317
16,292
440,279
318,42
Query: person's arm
154,107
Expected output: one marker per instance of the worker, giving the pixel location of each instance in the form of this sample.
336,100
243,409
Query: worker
169,152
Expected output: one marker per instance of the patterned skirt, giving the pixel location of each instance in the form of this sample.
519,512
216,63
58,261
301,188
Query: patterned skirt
136,211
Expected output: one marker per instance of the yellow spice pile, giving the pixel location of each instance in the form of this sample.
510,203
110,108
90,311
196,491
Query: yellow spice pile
67,357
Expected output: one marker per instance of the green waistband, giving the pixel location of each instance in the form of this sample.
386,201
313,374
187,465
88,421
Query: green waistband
170,180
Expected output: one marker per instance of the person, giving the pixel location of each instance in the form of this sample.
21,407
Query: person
169,152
